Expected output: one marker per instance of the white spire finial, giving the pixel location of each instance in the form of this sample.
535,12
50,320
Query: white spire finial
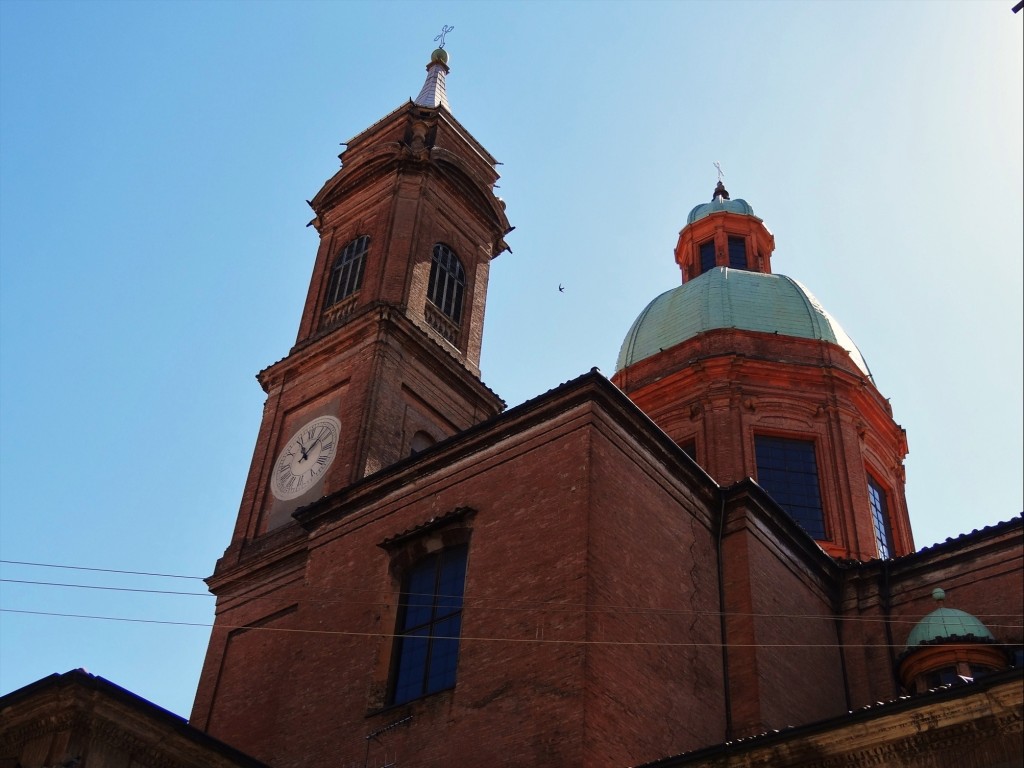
433,93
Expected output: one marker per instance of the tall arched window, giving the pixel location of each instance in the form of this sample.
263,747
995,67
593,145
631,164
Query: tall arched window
347,272
447,282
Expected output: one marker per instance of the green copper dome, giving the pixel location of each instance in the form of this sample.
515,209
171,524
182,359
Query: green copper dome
947,624
719,204
732,298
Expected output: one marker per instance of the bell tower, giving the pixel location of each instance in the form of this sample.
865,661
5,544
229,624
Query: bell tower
386,361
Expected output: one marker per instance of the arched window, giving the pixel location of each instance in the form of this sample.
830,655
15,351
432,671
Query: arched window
420,442
447,283
347,272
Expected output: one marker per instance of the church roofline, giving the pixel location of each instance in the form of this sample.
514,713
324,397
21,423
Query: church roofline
442,112
787,735
771,512
592,386
972,536
62,683
364,154
950,546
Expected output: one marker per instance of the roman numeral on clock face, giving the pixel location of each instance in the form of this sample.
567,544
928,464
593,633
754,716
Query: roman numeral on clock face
305,458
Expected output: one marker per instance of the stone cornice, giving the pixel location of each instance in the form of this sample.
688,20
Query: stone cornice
910,731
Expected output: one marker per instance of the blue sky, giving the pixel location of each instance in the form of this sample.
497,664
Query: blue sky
154,162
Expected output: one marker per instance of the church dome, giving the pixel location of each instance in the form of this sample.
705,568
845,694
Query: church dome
947,624
732,298
719,204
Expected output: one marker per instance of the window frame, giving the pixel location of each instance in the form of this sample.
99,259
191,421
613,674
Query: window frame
705,249
347,271
446,286
783,497
432,621
880,516
741,241
404,550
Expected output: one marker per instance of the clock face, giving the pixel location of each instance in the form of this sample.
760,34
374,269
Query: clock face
305,458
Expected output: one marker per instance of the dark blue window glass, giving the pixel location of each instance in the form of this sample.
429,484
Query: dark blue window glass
944,676
447,282
787,469
411,667
707,256
880,518
737,253
429,624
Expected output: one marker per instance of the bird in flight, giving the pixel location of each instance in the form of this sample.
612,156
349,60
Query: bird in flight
561,288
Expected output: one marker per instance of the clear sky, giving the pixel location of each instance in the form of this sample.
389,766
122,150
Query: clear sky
154,162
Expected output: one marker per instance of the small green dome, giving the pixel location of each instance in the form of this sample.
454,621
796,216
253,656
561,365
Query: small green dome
440,56
945,624
732,298
719,204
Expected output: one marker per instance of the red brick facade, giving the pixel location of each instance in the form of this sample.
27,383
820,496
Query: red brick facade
375,361
621,603
722,388
566,503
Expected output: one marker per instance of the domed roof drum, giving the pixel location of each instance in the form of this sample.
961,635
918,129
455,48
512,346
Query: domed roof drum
732,298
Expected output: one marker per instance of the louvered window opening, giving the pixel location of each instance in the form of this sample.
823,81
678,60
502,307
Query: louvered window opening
347,273
447,283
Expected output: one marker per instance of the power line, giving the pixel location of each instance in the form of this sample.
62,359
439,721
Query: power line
109,589
100,570
481,603
468,607
460,638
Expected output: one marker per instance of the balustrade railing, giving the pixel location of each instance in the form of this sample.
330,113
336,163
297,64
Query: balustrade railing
440,323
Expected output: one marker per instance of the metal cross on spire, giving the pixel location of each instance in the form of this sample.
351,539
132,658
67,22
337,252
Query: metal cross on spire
444,31
720,190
